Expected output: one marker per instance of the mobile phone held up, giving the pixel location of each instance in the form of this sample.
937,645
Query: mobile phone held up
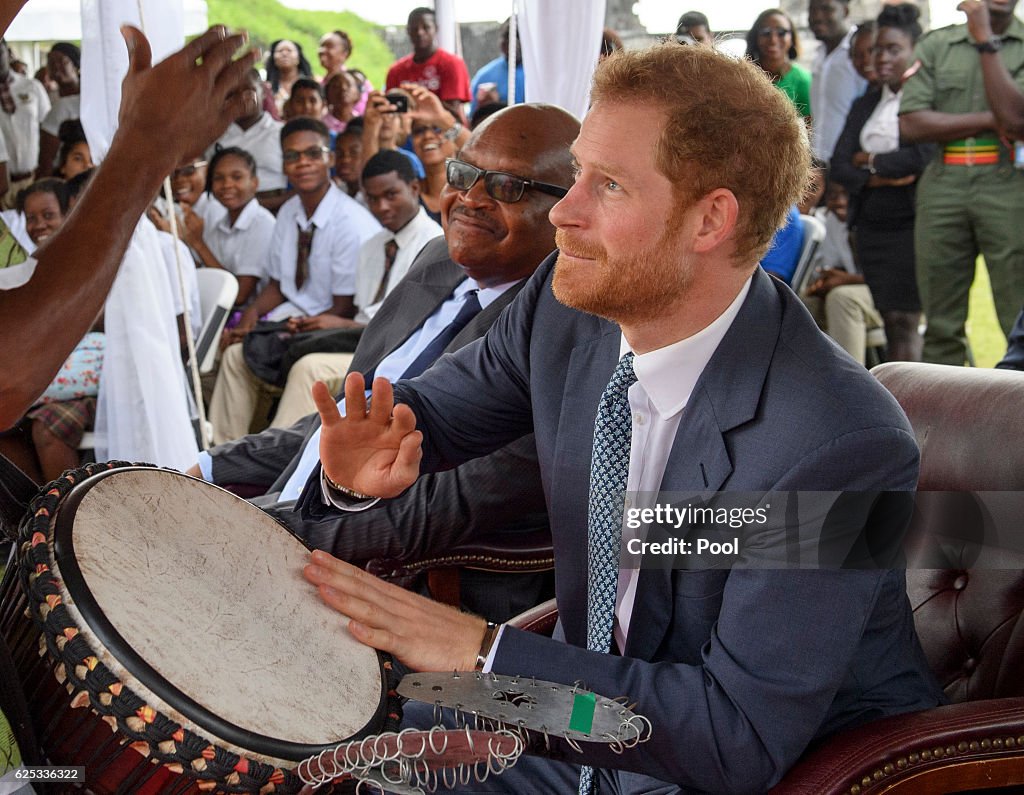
400,101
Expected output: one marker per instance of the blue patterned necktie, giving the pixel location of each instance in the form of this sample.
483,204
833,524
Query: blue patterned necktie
609,468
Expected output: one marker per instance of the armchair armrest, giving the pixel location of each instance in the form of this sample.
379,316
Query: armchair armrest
506,553
512,552
971,745
540,619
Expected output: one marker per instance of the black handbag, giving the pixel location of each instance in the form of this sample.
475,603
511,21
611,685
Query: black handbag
263,349
270,350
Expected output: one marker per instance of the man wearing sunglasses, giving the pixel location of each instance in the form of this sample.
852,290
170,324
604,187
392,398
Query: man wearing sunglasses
652,354
495,210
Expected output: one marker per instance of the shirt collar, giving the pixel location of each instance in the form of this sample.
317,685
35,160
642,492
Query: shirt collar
327,208
486,295
821,56
668,375
264,121
244,220
404,235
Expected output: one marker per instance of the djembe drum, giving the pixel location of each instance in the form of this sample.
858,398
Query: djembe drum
191,653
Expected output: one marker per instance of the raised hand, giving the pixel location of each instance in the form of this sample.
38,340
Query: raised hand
159,221
422,634
429,107
375,452
192,226
979,22
180,105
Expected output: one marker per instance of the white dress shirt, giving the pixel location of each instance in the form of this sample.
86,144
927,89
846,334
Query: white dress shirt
342,226
834,251
243,248
835,84
62,110
263,142
411,238
21,128
881,132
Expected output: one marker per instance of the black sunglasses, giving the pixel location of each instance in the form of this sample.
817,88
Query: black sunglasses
765,33
502,187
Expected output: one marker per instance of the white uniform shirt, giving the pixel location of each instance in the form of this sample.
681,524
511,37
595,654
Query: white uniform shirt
263,142
63,109
342,226
835,84
243,249
411,239
21,129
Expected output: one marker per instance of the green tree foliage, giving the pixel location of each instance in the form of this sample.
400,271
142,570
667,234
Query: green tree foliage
268,20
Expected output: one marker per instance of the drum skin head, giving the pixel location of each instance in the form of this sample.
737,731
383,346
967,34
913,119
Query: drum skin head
196,599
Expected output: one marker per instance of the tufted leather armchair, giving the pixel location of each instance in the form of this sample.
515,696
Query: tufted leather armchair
969,424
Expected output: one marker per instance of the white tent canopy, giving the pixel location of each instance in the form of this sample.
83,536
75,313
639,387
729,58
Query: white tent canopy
61,20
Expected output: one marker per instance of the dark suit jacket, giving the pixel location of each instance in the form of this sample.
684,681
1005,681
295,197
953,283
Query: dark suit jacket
433,515
737,670
876,204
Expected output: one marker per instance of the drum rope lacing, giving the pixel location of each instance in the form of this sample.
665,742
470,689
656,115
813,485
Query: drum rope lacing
92,683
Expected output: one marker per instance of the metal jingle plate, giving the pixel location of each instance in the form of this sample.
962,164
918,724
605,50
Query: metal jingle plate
551,708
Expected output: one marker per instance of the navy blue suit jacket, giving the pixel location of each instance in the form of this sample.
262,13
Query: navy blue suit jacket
737,670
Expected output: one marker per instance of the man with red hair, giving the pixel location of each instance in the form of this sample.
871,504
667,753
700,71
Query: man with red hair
651,354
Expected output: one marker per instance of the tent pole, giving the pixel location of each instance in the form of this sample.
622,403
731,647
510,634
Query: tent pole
513,36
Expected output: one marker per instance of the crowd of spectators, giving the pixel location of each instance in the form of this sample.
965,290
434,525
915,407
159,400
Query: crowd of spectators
281,201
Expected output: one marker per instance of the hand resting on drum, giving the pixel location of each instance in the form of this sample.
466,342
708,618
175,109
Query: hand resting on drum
375,452
423,634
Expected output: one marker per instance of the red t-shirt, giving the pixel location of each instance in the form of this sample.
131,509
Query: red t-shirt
443,73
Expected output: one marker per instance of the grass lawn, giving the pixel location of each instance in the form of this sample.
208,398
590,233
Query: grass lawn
986,338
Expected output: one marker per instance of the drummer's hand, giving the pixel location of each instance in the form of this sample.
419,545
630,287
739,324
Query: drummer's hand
375,452
423,634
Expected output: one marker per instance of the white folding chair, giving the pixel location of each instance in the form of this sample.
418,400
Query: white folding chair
218,289
814,233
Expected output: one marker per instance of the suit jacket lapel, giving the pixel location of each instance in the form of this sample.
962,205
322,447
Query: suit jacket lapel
590,367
